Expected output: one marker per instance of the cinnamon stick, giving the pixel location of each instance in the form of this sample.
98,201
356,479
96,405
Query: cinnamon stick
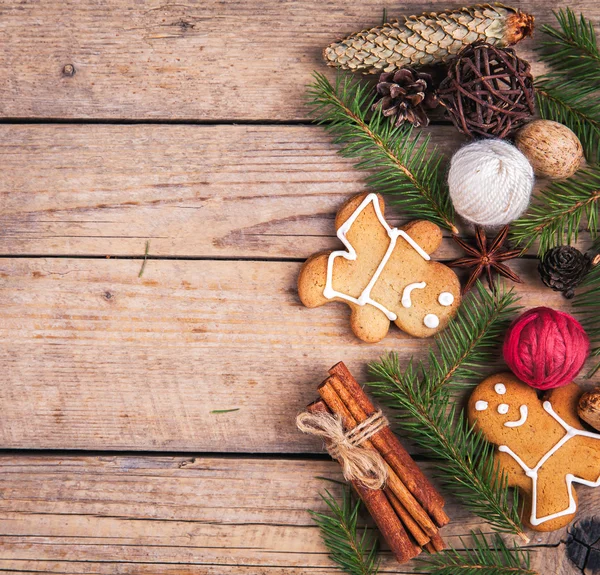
388,523
388,445
381,511
438,543
394,483
411,525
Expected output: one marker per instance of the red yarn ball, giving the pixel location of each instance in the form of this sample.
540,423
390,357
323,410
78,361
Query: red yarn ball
546,348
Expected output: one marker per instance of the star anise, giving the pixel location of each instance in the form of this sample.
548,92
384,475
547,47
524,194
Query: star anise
483,257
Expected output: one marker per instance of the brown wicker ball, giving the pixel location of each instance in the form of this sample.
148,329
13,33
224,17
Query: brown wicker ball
488,91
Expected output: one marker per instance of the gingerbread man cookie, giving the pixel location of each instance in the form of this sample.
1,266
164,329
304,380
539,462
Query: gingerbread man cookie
542,447
385,274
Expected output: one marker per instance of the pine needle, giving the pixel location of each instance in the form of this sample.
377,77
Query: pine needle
401,163
421,396
572,47
145,259
481,557
558,213
355,553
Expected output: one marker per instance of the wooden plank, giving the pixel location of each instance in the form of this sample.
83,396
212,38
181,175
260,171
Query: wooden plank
201,191
144,514
197,191
94,357
193,60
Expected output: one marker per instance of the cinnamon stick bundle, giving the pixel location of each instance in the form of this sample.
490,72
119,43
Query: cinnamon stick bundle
394,483
389,446
408,510
381,511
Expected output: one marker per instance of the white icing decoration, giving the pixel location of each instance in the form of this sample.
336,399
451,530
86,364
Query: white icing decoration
431,321
446,298
570,478
350,254
481,405
524,411
500,388
407,290
503,408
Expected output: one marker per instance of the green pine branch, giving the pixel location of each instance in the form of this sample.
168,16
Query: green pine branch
574,105
401,163
567,93
354,553
588,302
481,557
558,213
469,341
572,47
421,397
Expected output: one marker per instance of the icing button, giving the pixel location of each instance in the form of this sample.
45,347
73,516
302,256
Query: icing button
446,298
431,321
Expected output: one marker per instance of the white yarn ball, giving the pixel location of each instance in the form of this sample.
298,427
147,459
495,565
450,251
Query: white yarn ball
490,182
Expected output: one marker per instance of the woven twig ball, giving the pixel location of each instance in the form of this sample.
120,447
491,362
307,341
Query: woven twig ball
488,91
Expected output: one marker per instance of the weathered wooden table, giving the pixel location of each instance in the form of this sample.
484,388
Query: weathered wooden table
181,124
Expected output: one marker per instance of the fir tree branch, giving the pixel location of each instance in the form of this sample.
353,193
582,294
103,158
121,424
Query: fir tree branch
588,301
355,554
480,558
569,103
566,93
422,401
469,340
572,47
401,163
556,215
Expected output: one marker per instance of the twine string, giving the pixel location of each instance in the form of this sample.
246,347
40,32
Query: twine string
359,463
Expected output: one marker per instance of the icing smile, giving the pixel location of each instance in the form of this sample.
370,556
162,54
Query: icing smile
521,420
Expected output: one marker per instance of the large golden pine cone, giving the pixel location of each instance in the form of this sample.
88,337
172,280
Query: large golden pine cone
428,39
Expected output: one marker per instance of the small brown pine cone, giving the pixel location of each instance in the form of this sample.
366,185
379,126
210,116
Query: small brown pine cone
404,95
563,268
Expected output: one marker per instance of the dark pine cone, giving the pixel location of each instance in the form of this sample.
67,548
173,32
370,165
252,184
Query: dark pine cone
404,95
562,269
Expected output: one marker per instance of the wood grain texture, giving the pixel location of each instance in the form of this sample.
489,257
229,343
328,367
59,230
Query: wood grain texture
194,191
193,60
94,357
141,514
201,191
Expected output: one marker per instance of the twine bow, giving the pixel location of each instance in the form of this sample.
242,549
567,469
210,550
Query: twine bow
358,463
